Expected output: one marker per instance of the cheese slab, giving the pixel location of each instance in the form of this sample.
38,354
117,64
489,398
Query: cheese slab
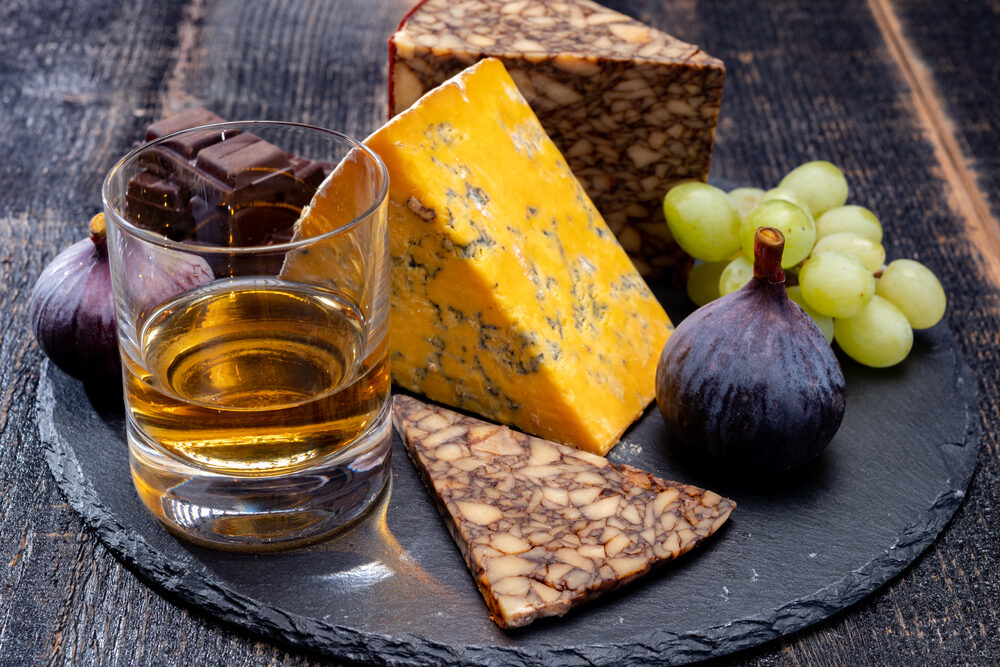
633,108
544,527
511,298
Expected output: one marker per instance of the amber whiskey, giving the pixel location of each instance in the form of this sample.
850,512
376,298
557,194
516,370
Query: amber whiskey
256,376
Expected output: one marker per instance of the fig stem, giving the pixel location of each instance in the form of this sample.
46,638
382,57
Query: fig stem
768,244
98,233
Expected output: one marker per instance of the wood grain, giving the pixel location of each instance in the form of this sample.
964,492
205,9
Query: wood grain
79,79
968,200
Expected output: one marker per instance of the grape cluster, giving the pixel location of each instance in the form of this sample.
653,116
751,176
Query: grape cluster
833,256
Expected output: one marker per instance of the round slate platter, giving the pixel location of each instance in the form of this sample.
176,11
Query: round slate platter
395,590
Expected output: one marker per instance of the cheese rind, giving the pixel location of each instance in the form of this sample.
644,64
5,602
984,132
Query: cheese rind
544,527
633,109
510,296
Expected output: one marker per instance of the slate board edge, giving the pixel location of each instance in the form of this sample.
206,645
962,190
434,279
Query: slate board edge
192,587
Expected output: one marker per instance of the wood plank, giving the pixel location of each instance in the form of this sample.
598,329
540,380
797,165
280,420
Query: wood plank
951,39
968,199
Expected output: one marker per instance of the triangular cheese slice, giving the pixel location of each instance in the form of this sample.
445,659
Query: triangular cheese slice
544,527
510,296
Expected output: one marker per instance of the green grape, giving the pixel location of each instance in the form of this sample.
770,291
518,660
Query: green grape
871,253
878,336
745,199
824,323
856,219
790,220
786,194
821,184
703,221
736,274
915,290
703,282
836,284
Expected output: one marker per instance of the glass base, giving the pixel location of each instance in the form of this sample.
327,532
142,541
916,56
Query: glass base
263,512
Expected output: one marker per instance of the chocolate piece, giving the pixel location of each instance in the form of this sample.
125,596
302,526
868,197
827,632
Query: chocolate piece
189,145
542,526
182,120
151,189
253,225
158,204
632,109
211,158
309,174
241,161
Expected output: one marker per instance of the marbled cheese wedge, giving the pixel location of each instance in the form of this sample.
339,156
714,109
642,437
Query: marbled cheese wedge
511,298
544,527
632,108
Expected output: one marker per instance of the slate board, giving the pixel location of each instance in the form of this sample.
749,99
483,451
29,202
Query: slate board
394,589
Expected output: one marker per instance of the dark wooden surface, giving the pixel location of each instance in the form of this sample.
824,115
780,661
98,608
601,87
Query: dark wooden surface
902,94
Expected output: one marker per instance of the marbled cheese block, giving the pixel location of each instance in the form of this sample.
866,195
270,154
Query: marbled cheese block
545,527
633,109
511,298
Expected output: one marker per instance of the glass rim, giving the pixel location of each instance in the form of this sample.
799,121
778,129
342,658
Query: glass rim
131,229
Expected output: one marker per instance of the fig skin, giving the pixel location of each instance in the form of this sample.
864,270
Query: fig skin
72,313
749,380
72,305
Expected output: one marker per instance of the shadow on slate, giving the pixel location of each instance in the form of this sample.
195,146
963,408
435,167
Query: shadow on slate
395,590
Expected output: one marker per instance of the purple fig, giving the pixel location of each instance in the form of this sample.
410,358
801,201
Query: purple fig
748,379
71,310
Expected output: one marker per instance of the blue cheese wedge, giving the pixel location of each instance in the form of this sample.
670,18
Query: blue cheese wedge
511,298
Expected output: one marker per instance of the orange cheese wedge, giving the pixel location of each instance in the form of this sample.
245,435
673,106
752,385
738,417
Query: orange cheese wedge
511,298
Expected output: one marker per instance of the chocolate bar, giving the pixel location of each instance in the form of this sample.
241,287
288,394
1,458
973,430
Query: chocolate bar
219,186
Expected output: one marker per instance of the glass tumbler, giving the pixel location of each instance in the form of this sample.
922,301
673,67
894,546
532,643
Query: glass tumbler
249,268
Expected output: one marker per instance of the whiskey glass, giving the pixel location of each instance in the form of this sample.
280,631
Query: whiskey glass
249,268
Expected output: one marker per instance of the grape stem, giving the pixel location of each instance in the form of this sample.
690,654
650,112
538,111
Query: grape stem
768,244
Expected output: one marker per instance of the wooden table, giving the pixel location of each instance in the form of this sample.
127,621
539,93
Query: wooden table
904,95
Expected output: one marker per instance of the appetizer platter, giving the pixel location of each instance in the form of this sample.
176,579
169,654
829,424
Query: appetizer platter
583,470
